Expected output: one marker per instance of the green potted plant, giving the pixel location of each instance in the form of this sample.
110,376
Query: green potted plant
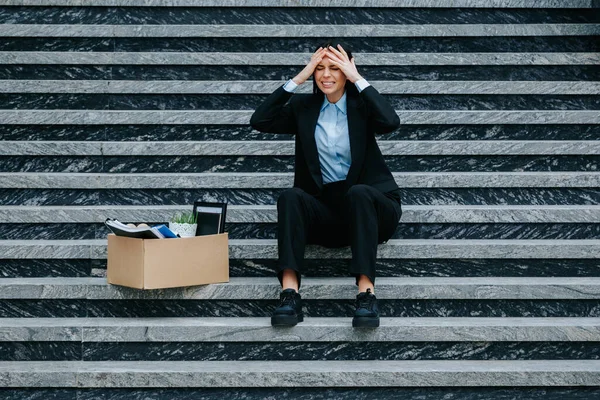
184,224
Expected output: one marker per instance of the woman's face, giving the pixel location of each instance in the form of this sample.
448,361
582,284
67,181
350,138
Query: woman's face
330,79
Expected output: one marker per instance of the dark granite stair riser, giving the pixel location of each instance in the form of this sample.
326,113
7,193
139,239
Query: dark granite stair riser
53,101
426,268
467,163
300,351
52,231
448,231
303,16
55,164
98,44
302,393
182,133
14,268
498,44
363,44
490,231
67,72
60,15
399,72
276,72
38,197
456,196
41,351
241,163
63,308
339,351
42,309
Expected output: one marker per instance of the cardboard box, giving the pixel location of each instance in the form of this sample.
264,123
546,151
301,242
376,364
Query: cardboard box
166,263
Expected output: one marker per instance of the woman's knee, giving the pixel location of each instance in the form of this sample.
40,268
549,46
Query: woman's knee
358,192
291,196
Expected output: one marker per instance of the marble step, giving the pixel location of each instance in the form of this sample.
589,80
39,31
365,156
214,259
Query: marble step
312,330
393,249
296,59
62,297
238,214
310,393
312,3
253,45
518,133
268,231
242,117
321,338
276,164
240,103
417,267
286,148
267,87
49,196
255,30
255,163
465,288
284,180
543,73
247,374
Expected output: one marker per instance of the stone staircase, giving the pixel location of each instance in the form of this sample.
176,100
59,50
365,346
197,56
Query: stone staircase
133,109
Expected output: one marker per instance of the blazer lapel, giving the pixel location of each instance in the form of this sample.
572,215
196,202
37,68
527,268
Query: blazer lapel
357,131
307,133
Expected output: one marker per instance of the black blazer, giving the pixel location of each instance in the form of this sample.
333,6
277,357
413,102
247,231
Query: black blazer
368,113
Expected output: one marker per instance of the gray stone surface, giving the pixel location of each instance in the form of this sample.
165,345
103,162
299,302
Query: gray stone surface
299,59
313,3
239,117
313,288
41,330
312,330
231,30
63,148
393,249
266,87
240,180
268,214
47,249
299,373
286,148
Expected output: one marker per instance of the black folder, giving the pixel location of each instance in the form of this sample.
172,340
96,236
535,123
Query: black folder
210,216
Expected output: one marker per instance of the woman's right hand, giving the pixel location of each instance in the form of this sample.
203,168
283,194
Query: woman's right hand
310,67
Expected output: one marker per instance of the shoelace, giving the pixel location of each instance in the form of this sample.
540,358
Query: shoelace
365,300
287,299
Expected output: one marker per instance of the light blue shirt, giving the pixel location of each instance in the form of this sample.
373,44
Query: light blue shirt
331,136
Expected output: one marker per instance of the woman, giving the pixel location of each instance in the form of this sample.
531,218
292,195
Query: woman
343,192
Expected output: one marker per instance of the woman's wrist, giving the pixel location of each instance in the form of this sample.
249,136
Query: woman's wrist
297,80
355,78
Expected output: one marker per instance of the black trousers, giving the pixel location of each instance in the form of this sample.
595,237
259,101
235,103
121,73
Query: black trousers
362,217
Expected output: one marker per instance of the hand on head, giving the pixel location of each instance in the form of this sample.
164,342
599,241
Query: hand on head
338,57
306,73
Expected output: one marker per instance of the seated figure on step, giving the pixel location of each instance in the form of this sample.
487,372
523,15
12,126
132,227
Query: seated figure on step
344,193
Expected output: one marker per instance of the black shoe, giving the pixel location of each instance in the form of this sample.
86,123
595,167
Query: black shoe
289,311
367,312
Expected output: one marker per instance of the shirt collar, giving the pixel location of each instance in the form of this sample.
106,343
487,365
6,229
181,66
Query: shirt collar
341,103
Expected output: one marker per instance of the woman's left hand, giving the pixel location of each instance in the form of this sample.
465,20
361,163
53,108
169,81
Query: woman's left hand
340,58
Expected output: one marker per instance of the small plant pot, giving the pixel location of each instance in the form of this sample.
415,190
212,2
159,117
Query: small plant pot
184,230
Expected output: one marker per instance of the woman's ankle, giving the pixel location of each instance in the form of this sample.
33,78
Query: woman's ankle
289,280
365,283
